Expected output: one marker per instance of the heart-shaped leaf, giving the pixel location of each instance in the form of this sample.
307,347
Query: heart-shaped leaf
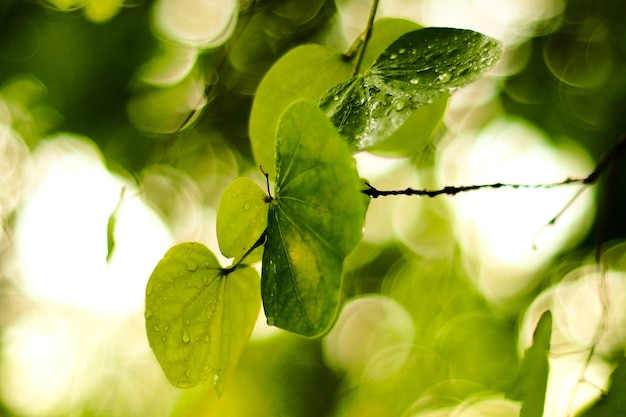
416,69
198,316
241,217
315,221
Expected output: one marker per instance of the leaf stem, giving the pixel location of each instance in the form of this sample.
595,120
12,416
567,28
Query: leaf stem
260,242
363,39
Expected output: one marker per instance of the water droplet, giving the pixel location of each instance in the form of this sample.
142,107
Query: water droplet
247,205
192,266
149,288
443,77
156,328
186,338
207,339
393,56
164,338
401,50
336,98
400,104
414,81
188,373
148,313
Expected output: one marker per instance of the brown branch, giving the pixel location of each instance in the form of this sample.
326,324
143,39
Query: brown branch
602,164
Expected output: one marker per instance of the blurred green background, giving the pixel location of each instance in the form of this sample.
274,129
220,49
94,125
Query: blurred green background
442,295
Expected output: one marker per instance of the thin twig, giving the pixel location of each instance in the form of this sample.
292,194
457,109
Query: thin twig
365,37
592,178
454,190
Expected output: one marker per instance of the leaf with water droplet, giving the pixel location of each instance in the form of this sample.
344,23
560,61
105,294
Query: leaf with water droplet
197,332
241,217
315,221
435,63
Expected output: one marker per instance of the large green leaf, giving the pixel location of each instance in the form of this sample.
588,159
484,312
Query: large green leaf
315,221
198,317
241,217
307,72
531,381
416,69
613,402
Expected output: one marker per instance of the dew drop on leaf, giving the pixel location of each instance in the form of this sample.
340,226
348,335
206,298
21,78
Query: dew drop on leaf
443,77
186,338
192,266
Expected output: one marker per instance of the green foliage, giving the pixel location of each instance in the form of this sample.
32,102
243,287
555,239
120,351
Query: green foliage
241,218
308,72
304,72
419,67
199,316
315,221
531,381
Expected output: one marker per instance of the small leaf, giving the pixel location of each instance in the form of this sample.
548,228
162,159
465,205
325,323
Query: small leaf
315,221
416,69
613,402
241,217
198,319
531,381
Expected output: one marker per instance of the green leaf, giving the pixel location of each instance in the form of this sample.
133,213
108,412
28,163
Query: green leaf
531,381
241,217
315,221
198,318
304,72
613,402
307,72
416,69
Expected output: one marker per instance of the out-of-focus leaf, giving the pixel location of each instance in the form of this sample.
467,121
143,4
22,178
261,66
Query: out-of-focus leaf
111,226
241,217
101,11
613,402
198,317
531,381
315,221
416,69
201,24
